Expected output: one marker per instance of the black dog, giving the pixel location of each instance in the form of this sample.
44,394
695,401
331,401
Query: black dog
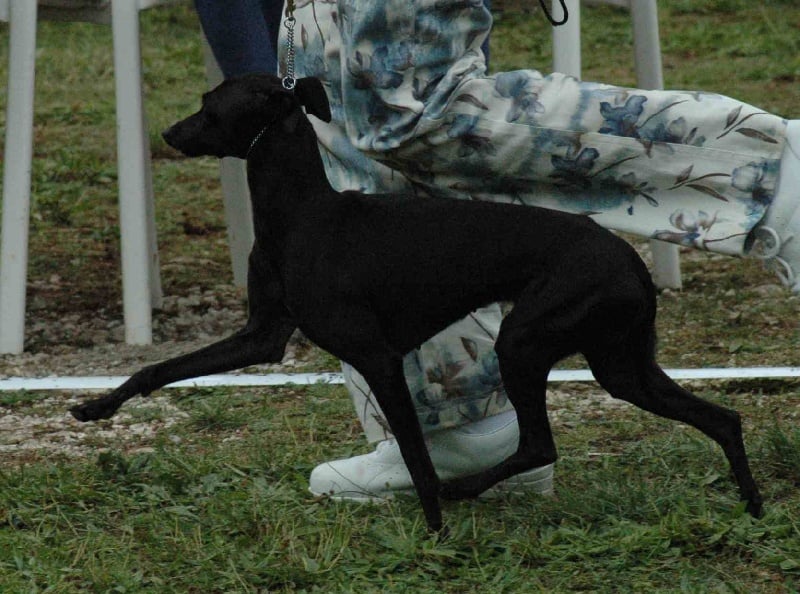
371,278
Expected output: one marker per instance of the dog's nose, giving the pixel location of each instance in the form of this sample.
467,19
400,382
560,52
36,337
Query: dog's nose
169,135
175,138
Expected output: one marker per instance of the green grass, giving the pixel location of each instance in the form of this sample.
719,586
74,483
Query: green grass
218,502
641,504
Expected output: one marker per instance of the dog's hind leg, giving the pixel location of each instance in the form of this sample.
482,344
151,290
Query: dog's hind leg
525,360
627,370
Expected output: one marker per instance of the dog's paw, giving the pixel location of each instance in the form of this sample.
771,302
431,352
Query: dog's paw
93,410
439,534
755,507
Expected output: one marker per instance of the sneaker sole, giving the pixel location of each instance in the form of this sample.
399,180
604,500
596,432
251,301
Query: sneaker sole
537,480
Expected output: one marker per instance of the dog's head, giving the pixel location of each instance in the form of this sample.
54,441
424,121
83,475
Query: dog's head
241,108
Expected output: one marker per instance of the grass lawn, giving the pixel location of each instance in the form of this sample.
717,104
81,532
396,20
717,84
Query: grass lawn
217,501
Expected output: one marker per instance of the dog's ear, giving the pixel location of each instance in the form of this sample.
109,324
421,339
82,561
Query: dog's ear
312,96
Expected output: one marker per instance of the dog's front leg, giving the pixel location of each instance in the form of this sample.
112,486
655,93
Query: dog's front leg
384,375
256,343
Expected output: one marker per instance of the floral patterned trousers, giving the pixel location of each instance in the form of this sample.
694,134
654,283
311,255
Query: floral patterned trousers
413,109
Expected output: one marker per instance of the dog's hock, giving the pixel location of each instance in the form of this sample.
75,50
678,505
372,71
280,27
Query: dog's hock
311,94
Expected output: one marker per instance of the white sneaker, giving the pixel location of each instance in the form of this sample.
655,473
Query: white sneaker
455,453
777,238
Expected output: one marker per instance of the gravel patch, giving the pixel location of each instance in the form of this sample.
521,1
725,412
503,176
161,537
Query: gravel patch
47,428
92,343
86,344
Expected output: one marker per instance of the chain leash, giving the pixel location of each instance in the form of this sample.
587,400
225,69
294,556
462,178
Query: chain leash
289,80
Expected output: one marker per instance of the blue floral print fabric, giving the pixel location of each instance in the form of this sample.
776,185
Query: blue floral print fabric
413,108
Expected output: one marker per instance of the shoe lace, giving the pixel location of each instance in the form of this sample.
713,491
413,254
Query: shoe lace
767,246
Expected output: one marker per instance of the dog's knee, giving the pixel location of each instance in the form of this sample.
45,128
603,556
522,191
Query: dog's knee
511,341
523,351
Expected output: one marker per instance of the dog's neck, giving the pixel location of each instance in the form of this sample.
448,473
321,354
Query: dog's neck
286,165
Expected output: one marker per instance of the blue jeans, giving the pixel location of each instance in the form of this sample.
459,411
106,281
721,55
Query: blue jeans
243,34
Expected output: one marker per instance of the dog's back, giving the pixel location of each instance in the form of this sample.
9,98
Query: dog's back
423,263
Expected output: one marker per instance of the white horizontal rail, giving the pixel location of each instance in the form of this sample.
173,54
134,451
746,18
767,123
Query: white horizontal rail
208,381
304,379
